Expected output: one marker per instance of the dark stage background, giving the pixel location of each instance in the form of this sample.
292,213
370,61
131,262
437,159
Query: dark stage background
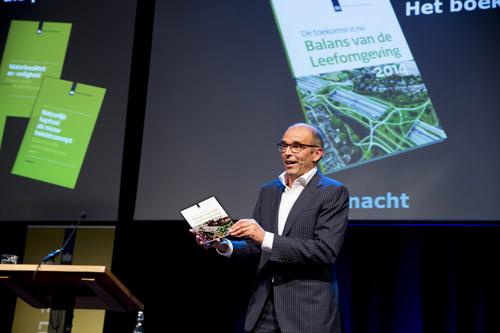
401,276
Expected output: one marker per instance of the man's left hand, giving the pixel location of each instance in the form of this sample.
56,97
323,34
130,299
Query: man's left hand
248,228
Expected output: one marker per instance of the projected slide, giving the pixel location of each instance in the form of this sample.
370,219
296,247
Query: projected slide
59,132
408,100
64,87
62,114
357,79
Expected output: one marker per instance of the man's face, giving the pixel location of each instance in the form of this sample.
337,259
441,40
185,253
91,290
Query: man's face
297,164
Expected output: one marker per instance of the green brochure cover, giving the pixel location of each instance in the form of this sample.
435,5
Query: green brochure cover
33,50
59,132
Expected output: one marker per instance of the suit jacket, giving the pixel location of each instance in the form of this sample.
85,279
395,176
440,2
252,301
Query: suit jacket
300,267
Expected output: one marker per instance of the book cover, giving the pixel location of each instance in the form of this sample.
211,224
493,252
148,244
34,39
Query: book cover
59,132
356,79
33,50
208,220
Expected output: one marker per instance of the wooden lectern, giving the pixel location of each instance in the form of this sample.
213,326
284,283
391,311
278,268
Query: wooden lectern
68,287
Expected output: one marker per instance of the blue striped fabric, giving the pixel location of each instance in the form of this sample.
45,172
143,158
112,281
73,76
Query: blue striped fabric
301,265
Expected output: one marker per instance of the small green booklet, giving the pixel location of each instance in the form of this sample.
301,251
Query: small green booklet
33,50
59,132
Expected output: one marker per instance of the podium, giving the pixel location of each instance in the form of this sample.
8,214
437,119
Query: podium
68,287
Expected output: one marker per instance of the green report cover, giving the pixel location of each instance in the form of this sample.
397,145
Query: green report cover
33,50
356,79
59,132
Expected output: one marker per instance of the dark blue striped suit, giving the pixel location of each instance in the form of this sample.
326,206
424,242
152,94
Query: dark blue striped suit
300,267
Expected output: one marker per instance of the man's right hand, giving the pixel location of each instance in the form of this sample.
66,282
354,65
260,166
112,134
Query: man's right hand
221,245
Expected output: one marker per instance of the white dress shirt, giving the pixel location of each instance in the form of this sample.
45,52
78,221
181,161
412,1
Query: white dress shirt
288,198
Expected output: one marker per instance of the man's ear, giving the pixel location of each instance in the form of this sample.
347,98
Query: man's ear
319,155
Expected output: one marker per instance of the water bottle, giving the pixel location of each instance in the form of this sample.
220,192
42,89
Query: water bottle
139,326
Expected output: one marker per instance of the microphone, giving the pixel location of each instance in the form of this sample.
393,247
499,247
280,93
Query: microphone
55,253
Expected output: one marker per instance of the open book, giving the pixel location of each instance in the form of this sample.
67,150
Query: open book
208,220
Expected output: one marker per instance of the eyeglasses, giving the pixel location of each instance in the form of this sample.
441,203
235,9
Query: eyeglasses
294,147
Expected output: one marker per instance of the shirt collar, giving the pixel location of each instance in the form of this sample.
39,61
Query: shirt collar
302,180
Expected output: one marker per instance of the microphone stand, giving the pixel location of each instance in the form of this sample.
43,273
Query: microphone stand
54,254
67,314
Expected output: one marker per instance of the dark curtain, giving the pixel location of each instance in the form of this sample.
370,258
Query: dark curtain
420,279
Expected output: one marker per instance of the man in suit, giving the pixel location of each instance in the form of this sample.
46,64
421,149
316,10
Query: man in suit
294,239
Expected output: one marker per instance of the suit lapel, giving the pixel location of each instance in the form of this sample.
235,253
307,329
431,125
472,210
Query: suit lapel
276,200
304,199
